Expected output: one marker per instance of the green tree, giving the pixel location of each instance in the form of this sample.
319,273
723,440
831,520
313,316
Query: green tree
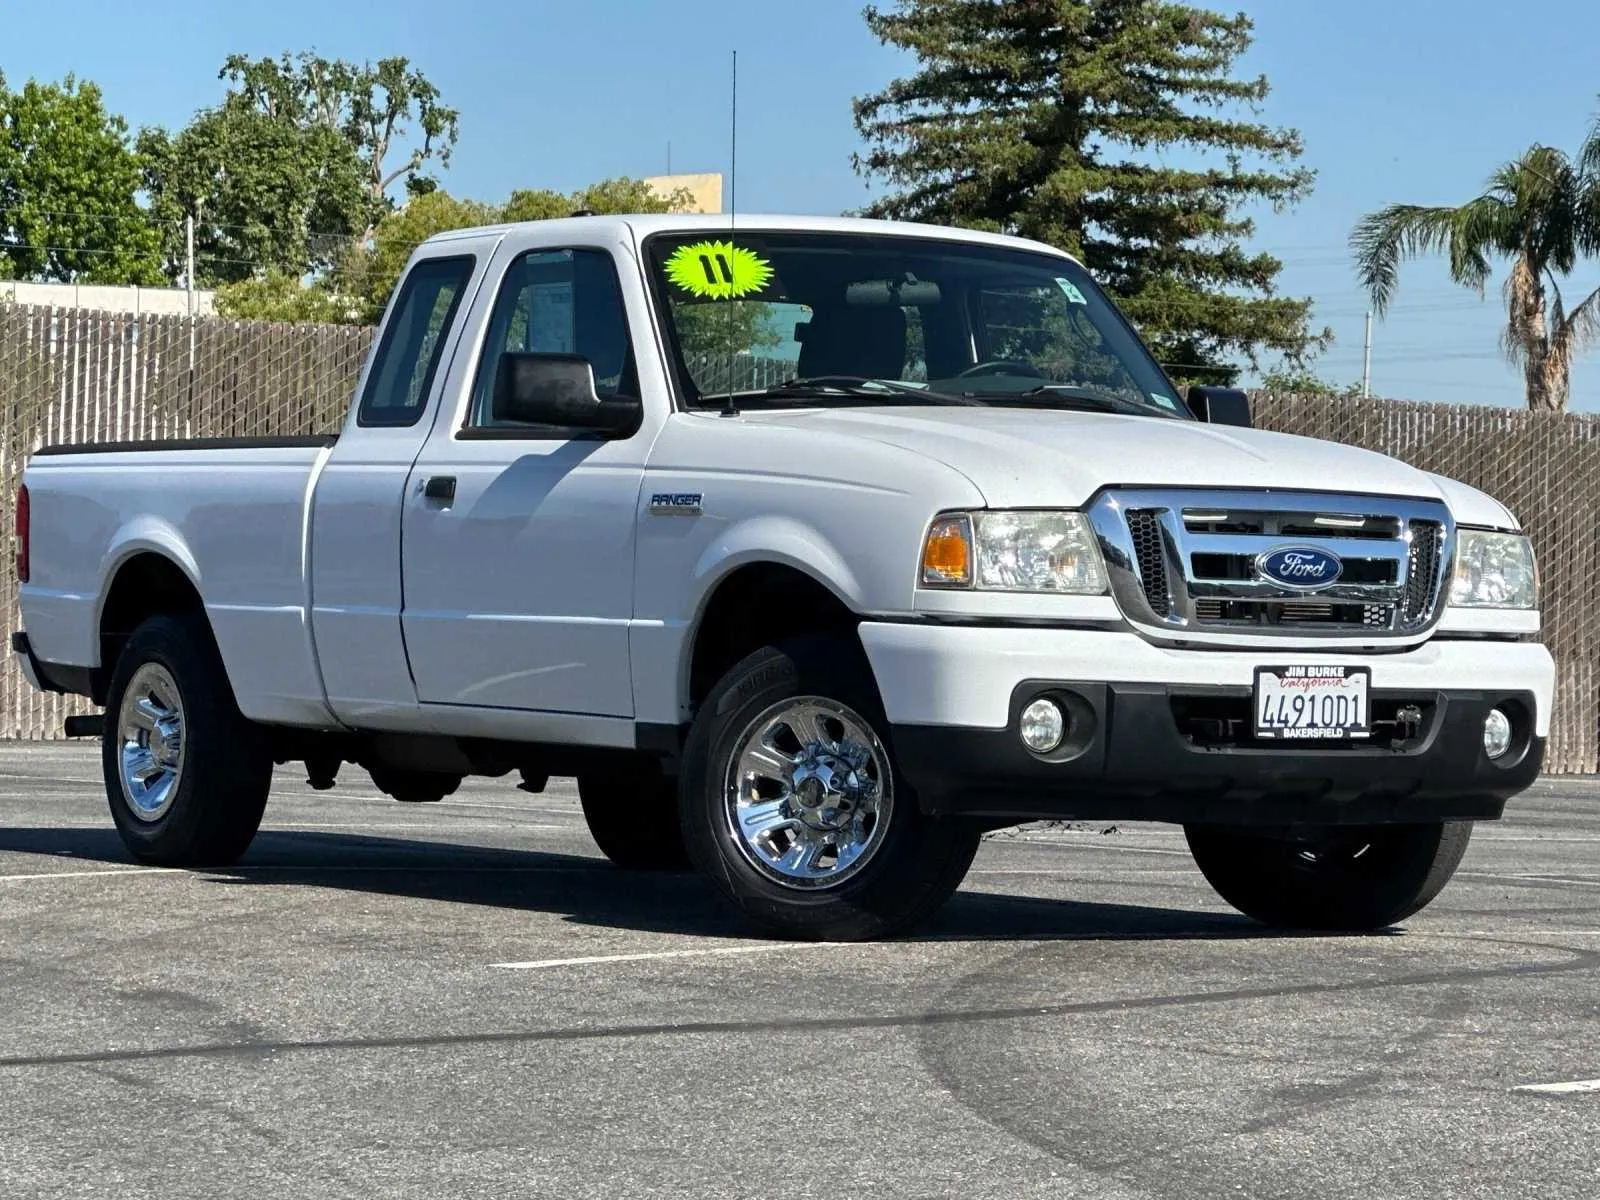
1296,381
1089,125
375,108
359,285
1541,212
68,179
296,164
281,297
267,196
370,271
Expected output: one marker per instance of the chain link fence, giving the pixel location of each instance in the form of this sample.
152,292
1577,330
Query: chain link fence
76,376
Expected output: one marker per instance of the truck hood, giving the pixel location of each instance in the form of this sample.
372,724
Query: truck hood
1043,458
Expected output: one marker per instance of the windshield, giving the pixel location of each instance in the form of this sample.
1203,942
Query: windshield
769,318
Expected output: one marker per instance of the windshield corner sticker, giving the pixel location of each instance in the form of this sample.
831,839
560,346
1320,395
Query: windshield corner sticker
1071,292
1166,402
718,270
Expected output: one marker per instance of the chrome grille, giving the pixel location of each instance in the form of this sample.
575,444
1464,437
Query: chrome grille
1145,527
1186,562
1423,566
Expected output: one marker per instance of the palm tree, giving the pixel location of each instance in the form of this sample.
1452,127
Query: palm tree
1541,212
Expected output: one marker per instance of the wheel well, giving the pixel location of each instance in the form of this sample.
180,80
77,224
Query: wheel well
144,586
753,607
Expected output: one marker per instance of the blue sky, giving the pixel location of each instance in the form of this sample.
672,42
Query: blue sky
1413,100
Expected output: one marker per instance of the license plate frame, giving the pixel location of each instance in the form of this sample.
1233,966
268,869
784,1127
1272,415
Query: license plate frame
1337,703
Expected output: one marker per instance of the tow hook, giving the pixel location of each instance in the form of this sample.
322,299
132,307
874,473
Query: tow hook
1409,719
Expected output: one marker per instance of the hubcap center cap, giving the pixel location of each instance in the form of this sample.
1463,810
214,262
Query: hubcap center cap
827,790
166,742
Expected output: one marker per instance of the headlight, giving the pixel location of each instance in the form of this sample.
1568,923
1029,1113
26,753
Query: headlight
1014,552
1494,570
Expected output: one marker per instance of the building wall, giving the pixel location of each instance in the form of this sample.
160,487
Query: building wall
158,301
705,188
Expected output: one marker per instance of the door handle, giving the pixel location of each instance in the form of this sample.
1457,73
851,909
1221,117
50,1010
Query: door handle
439,487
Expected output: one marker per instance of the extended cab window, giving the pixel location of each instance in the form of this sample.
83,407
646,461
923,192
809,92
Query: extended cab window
558,302
413,342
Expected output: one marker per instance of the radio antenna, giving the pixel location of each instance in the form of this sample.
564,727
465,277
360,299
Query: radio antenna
729,409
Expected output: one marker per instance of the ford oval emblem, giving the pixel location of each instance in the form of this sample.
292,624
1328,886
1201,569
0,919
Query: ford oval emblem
1303,567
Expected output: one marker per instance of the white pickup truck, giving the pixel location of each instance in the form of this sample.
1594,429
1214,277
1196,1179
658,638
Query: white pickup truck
813,548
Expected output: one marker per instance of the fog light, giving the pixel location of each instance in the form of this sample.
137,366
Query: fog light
1496,733
1043,726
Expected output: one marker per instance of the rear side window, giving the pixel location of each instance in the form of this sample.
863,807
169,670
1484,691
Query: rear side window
413,342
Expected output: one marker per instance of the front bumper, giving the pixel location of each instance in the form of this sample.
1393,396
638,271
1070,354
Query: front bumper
1162,734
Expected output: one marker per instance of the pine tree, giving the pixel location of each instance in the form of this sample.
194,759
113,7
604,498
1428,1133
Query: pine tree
1110,129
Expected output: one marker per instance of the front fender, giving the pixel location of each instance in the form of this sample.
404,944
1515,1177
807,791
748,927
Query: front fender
775,539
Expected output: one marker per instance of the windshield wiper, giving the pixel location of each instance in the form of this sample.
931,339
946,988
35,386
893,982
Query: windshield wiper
1086,397
886,391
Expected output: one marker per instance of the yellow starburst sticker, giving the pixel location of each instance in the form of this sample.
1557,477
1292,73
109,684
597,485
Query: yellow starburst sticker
718,270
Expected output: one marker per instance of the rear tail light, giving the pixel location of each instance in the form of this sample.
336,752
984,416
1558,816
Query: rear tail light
23,519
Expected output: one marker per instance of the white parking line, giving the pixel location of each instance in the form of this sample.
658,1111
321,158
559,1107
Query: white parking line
1065,872
86,874
381,826
1500,934
313,868
56,779
1529,878
1576,1087
772,948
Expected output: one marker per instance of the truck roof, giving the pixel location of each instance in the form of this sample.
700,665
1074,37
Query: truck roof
645,224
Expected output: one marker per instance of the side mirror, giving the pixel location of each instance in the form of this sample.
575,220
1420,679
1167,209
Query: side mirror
558,389
1220,406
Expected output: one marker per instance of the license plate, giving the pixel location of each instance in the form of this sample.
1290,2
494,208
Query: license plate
1313,703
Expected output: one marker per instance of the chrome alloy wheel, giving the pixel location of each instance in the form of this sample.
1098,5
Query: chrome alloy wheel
809,793
150,728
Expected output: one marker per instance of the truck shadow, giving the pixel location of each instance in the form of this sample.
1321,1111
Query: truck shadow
589,891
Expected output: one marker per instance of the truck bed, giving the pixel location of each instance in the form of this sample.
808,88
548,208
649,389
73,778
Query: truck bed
169,444
231,513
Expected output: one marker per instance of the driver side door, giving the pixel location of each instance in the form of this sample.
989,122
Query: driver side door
518,541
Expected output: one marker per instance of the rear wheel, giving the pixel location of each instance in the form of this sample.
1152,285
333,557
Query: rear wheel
186,775
793,807
1361,878
632,814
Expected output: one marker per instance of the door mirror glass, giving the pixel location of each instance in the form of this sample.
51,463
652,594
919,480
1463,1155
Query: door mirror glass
1220,406
558,390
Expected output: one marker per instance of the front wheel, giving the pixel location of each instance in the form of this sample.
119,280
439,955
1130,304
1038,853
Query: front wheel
1356,879
792,805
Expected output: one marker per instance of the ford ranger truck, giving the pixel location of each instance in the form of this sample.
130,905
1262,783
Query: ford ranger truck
813,549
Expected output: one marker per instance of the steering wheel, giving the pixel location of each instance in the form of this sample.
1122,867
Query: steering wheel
1002,366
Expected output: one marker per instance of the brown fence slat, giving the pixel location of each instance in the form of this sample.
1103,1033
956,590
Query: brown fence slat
72,375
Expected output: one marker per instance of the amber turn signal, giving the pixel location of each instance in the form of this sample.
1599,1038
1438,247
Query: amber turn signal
947,554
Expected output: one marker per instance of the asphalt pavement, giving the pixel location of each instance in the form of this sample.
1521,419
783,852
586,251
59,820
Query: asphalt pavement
464,1000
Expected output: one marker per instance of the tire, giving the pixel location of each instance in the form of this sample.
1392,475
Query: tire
633,817
889,867
1357,879
207,769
